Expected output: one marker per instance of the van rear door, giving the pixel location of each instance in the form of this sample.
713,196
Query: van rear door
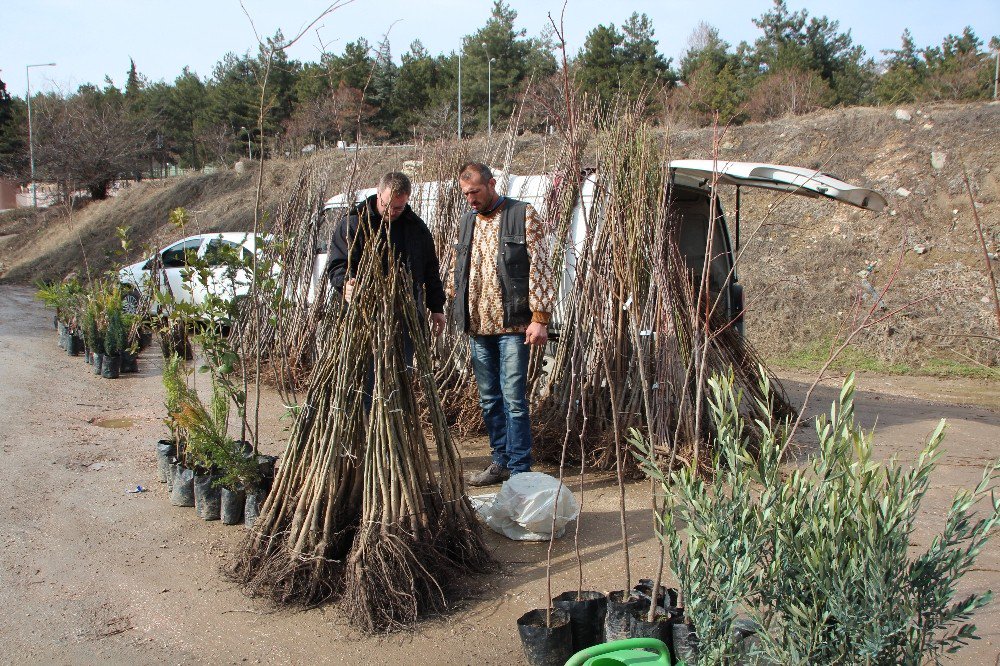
796,180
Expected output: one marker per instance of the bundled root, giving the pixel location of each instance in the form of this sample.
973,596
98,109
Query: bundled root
359,511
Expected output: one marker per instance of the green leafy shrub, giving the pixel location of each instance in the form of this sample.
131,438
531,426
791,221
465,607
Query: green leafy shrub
65,297
117,333
818,558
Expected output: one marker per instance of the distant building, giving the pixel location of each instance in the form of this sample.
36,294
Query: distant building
8,194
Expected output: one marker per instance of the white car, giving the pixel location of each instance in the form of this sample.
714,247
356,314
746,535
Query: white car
176,276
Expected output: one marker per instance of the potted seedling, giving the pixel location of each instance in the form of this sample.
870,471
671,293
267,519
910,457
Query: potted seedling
167,449
173,454
207,441
114,340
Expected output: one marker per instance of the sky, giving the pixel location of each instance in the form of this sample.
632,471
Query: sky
89,39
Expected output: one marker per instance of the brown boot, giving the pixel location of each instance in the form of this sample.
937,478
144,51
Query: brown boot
491,475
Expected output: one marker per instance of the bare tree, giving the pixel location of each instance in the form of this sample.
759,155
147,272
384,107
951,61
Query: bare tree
89,141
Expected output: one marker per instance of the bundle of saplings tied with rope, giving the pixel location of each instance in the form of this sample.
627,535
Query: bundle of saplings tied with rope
360,510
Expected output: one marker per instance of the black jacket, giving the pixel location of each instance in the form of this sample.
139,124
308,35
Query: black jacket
513,266
411,242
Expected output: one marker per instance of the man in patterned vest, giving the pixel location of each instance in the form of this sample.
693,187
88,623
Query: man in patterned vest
503,297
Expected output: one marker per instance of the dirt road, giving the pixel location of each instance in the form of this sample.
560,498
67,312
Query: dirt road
91,574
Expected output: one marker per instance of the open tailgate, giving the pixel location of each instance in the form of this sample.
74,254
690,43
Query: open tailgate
797,180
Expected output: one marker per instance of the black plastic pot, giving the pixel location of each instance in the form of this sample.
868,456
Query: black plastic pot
207,497
55,322
165,451
644,588
618,622
62,335
145,339
685,641
254,502
265,464
98,363
546,645
88,356
586,615
182,492
130,362
111,366
661,628
233,503
74,345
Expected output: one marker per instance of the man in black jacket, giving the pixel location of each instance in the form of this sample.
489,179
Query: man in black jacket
410,240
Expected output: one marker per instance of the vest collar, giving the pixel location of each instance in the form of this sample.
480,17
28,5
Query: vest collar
497,206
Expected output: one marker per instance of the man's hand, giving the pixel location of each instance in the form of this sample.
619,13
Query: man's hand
537,334
349,289
437,323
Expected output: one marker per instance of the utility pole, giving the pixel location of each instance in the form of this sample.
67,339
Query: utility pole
249,151
460,93
489,92
996,75
31,138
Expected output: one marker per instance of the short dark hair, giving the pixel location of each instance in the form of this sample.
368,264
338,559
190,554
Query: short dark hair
470,169
396,182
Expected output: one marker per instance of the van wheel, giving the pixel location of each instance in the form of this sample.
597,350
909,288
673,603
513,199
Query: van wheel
130,300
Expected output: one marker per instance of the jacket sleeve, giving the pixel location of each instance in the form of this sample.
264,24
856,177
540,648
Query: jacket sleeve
433,289
541,277
345,251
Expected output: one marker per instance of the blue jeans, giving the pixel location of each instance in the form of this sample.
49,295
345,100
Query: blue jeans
501,366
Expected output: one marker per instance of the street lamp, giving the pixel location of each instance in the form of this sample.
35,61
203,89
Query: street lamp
31,139
460,93
249,151
489,91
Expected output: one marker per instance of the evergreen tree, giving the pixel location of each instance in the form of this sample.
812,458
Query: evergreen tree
134,82
353,69
382,89
186,111
279,98
794,41
515,58
13,133
904,75
623,62
419,83
599,62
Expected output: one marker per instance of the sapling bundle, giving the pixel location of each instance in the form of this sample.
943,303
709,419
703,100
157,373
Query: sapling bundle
284,314
640,324
359,510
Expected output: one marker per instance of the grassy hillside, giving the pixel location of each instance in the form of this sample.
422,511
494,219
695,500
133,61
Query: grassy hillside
804,262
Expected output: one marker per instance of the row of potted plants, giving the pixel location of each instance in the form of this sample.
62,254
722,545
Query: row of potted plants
90,320
224,478
577,620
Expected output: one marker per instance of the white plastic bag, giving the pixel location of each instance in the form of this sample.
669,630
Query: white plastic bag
523,508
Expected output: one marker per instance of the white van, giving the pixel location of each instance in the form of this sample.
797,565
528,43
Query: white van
691,196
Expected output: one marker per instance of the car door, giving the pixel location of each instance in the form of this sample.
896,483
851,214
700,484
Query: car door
227,277
176,260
